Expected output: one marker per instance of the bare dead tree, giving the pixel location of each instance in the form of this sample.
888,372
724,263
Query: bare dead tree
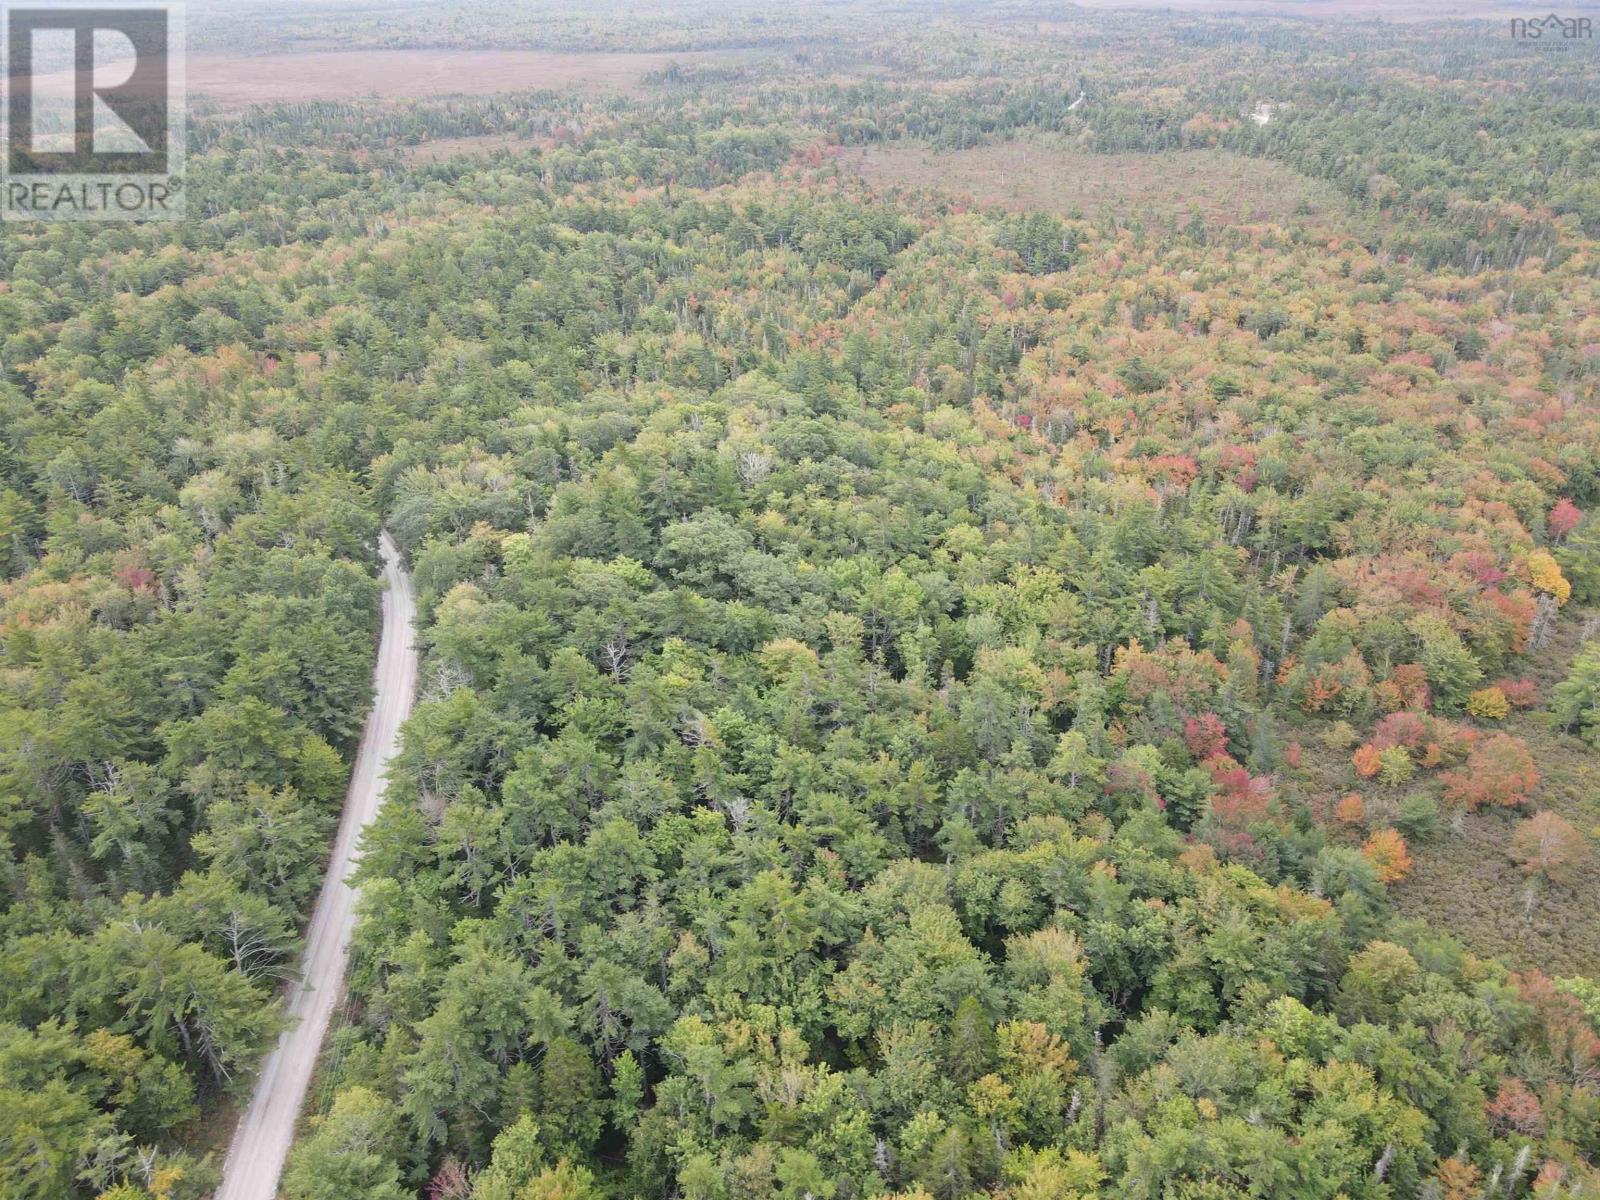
753,467
1544,622
615,653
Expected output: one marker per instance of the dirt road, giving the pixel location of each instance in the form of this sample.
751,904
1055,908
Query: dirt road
262,1140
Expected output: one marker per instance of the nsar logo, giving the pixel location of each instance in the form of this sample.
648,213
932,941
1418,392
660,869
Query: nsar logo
1553,26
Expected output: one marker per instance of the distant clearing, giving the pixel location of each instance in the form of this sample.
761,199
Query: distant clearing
1221,187
440,149
237,81
1389,10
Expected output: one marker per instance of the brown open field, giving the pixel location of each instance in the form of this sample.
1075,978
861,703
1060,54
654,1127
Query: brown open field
241,81
1219,186
236,81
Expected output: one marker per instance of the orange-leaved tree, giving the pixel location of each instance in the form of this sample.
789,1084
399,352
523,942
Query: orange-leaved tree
1386,851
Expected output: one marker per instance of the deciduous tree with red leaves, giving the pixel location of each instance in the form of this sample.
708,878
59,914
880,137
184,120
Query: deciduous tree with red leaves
1499,771
1563,519
1515,1109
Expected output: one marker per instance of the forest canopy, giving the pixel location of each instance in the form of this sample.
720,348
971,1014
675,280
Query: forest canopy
922,696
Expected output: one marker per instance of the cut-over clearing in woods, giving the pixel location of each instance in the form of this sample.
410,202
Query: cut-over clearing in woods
1464,879
1216,185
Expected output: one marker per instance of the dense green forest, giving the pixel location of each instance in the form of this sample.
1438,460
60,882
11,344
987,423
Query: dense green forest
920,699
